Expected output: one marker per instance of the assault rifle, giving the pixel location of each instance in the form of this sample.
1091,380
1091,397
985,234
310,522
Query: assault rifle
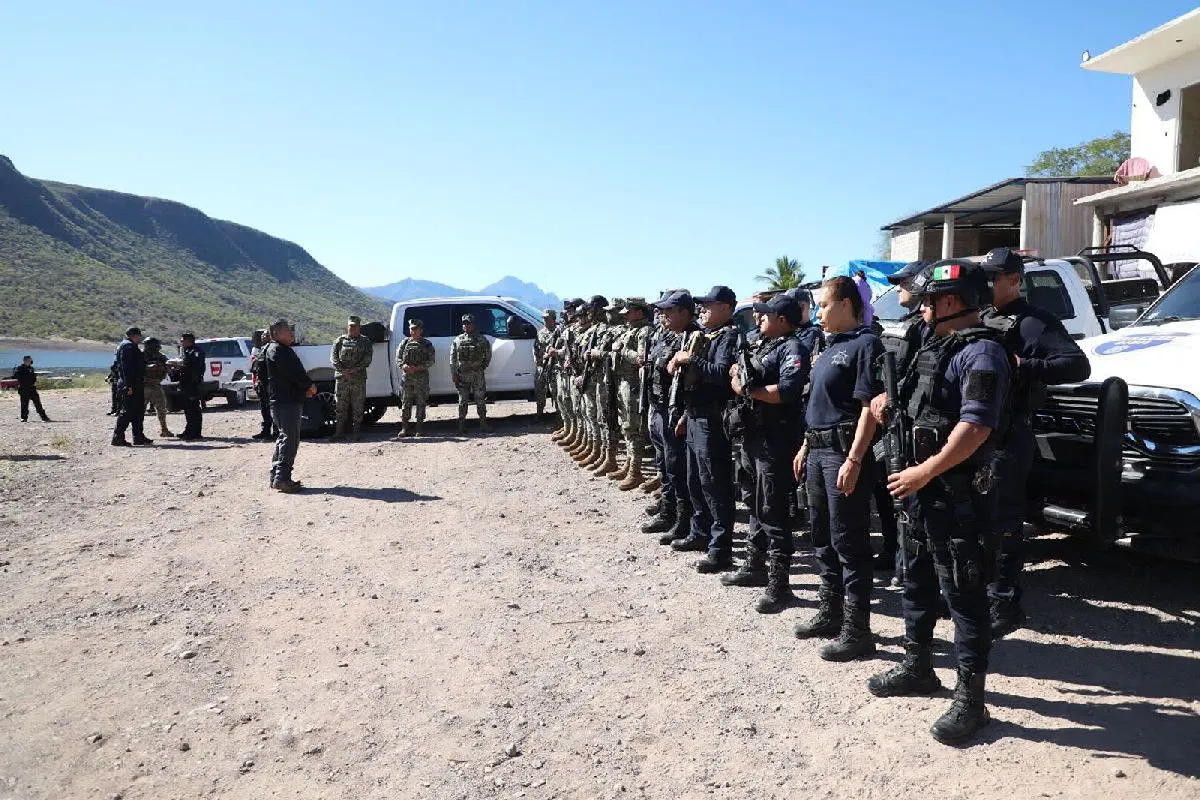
685,377
894,450
644,373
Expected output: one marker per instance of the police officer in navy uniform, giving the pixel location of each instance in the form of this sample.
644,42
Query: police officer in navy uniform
770,437
902,339
955,395
191,382
130,376
809,332
840,471
674,520
1045,355
709,452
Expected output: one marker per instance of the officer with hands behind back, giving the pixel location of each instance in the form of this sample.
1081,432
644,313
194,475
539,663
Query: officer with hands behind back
954,398
1045,354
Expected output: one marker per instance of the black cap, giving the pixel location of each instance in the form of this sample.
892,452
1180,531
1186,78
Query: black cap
598,301
909,271
800,295
1003,259
719,294
677,299
191,337
133,331
783,304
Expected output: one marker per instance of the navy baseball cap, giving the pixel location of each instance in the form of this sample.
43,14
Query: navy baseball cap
784,305
1003,259
718,294
800,295
677,299
909,271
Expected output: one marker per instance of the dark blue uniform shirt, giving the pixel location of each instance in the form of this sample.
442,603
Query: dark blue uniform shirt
843,378
812,338
1048,353
786,365
713,387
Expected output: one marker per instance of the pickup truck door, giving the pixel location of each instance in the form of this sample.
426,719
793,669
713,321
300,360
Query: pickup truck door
1057,288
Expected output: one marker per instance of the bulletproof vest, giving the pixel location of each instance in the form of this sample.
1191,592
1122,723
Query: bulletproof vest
663,350
905,342
924,382
470,351
1027,393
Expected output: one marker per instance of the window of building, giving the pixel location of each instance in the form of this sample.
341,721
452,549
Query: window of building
1188,153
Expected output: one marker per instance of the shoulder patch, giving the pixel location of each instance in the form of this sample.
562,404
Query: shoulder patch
980,386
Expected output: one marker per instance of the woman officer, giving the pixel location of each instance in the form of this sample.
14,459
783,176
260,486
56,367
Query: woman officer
840,471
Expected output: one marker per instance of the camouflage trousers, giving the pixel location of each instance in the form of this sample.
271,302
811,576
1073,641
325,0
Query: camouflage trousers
564,398
351,395
543,385
472,386
606,412
586,414
629,412
158,398
415,393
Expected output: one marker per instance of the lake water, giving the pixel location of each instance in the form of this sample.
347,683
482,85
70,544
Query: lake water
55,359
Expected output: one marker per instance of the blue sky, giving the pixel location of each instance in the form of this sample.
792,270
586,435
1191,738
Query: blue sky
619,147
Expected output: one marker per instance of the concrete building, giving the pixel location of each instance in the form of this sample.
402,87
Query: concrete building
1037,215
1159,214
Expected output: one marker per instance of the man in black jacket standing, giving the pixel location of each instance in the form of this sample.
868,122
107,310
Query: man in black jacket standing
191,383
289,387
27,389
131,374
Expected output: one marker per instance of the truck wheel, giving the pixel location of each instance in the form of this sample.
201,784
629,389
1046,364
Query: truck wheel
373,412
236,399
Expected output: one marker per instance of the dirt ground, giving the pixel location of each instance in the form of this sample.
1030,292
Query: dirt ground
475,618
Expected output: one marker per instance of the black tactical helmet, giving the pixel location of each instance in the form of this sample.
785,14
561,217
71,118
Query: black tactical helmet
957,276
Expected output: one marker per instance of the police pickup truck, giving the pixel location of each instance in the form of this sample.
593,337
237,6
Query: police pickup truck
510,326
1119,455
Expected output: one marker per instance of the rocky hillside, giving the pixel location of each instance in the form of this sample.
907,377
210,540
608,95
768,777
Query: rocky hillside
86,263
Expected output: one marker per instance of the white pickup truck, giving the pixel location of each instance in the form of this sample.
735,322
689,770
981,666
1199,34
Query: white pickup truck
1119,455
510,326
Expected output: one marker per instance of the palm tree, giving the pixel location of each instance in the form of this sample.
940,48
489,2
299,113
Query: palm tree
787,273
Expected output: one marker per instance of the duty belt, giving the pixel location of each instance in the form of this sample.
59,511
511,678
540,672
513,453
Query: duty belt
705,410
838,438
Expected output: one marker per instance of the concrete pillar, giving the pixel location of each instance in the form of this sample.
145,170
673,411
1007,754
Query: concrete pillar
1024,235
1097,227
947,236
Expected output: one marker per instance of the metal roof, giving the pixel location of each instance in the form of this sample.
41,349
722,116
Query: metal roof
998,205
1165,43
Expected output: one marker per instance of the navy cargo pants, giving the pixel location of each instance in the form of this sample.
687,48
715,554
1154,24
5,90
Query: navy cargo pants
710,480
1011,465
770,451
947,554
670,456
841,525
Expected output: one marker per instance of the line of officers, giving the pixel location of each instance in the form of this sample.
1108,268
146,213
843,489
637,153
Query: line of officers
793,404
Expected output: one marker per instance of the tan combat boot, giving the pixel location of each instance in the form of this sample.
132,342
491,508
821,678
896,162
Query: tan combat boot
607,463
620,472
652,485
634,479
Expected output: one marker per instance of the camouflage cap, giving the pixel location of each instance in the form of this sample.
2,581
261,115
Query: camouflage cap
468,318
617,304
354,320
416,323
637,302
549,312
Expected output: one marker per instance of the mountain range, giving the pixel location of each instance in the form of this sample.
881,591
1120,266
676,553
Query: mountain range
508,286
85,263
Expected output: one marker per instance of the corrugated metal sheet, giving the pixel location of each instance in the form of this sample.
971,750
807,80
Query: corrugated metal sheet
1054,225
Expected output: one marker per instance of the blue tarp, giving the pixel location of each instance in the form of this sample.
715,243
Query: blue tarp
876,273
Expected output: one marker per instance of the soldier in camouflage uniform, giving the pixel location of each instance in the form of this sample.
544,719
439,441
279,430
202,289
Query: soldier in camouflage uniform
565,368
630,350
414,357
470,355
351,356
606,388
590,358
543,367
156,370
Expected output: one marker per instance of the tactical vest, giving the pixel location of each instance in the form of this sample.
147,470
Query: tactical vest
470,352
924,381
660,381
1027,393
905,342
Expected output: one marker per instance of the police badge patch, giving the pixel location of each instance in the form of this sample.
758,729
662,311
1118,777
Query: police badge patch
980,386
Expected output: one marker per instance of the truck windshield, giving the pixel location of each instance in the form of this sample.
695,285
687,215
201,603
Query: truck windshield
1182,301
534,315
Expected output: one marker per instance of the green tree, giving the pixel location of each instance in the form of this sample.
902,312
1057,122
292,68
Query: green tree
1096,158
786,273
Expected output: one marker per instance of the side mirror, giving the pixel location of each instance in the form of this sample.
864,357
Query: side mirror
1124,317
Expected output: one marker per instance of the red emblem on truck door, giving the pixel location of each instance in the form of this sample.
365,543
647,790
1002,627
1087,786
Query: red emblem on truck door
215,368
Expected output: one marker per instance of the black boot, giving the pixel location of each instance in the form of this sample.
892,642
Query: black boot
752,572
827,621
913,675
690,544
778,595
1006,616
661,523
656,508
855,639
683,524
712,563
967,713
